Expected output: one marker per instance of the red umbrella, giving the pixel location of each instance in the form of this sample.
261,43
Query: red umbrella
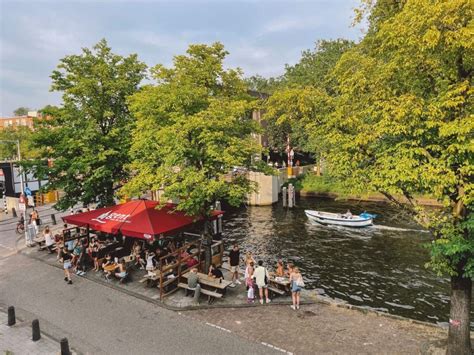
138,218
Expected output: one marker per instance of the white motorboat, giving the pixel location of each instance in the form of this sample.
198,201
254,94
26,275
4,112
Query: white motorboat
346,220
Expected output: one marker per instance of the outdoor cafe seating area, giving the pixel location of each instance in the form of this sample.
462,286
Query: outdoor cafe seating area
173,240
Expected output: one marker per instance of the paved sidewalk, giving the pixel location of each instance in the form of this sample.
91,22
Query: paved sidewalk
326,329
17,339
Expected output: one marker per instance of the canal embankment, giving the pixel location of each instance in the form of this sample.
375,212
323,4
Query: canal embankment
324,186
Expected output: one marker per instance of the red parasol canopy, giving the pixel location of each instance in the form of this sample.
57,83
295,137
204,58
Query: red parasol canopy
137,218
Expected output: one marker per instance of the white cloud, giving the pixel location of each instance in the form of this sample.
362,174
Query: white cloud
285,24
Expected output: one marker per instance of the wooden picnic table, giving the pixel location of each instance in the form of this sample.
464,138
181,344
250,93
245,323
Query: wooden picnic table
111,267
210,281
279,283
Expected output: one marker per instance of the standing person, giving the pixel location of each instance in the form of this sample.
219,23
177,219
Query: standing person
234,256
48,239
296,280
67,263
94,250
35,219
261,279
248,259
249,283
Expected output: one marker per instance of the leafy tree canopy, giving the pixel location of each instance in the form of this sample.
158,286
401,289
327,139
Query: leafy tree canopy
193,127
21,111
303,97
403,124
314,66
9,150
88,137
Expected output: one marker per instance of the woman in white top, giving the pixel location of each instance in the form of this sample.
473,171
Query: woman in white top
261,279
48,239
149,261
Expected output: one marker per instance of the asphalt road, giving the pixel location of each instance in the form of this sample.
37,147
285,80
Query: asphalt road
97,319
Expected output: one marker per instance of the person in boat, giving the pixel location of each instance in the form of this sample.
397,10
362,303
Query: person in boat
347,215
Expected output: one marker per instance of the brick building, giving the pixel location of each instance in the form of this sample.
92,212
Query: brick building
19,121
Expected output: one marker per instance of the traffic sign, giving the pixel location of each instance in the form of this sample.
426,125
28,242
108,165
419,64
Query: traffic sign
28,191
22,203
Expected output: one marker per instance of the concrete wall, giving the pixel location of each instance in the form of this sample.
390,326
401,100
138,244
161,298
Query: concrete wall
267,191
269,186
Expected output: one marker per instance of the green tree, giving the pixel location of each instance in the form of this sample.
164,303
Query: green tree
403,124
88,137
303,97
193,127
263,85
314,66
21,111
8,150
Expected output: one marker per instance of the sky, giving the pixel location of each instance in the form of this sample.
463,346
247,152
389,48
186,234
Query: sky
261,36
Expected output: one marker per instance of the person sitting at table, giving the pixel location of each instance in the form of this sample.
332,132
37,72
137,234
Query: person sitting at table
59,239
48,239
136,253
122,270
150,261
108,261
193,281
76,252
215,272
280,270
191,262
66,232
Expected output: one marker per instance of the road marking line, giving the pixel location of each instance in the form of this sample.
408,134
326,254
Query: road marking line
276,348
218,327
4,246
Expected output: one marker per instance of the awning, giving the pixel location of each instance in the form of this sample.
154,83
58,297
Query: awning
138,218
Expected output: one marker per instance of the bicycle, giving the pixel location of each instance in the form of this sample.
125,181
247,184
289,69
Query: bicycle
20,227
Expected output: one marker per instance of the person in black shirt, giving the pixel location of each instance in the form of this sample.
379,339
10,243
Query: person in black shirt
67,262
215,272
234,259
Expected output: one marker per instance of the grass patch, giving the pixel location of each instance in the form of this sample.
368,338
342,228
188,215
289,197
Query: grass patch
321,184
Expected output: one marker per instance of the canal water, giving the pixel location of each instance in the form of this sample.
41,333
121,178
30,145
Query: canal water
380,267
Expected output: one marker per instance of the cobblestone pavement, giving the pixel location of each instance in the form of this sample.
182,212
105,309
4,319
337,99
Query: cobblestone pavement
326,329
17,339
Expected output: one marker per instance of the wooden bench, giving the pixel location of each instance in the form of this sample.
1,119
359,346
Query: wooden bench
151,280
276,290
211,294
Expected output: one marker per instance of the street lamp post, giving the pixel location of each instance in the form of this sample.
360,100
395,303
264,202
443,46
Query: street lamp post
22,183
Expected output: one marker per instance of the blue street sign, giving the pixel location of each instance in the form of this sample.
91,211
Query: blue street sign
28,191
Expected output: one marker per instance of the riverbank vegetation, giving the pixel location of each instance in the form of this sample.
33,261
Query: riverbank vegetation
394,115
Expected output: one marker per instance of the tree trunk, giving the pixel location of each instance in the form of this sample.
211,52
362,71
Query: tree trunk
207,243
459,342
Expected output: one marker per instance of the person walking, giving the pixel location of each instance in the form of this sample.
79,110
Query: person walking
297,283
67,264
261,279
234,260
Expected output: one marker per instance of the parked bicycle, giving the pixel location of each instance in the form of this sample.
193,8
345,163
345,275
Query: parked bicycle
20,226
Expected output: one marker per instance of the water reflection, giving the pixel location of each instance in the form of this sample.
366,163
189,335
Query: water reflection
380,267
